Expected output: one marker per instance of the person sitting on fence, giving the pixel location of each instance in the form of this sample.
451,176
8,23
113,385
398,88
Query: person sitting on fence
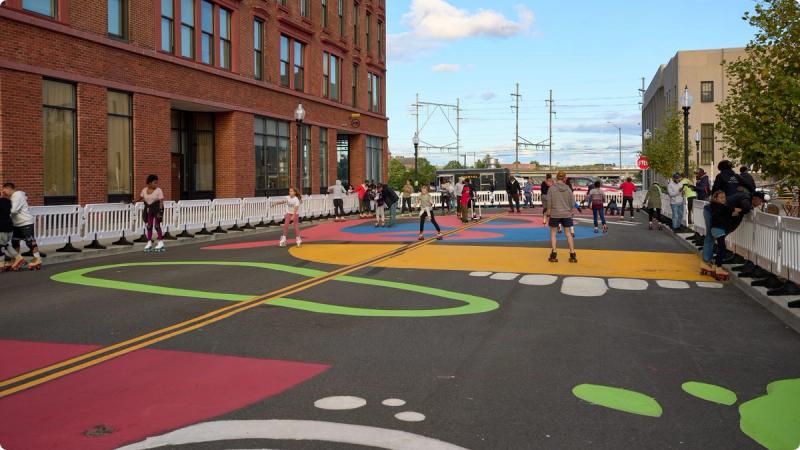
153,212
613,207
11,259
338,192
23,221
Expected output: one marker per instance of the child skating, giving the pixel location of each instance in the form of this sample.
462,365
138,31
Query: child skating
596,199
11,259
380,207
560,208
153,213
722,220
23,221
425,205
292,215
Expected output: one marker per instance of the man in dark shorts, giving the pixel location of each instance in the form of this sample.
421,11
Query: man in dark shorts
560,208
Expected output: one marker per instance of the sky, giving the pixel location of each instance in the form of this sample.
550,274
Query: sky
592,54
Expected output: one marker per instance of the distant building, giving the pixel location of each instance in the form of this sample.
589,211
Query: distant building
703,73
407,161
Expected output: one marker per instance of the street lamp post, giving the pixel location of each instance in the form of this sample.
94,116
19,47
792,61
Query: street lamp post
686,104
299,116
648,135
415,140
697,143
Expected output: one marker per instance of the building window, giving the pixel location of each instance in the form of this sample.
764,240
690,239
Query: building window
707,143
374,92
187,28
305,9
167,26
323,158
306,157
224,39
299,62
380,41
368,31
284,61
207,32
258,49
343,158
272,155
707,91
120,143
59,139
330,76
355,86
325,13
341,18
375,159
356,19
43,7
118,18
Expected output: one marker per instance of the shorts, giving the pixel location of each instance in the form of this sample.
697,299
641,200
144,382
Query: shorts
24,233
565,222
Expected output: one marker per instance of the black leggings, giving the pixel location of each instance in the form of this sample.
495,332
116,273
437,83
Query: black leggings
512,200
338,207
628,201
433,221
406,203
653,212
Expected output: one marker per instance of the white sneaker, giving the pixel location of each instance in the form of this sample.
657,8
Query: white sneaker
160,246
283,241
299,241
148,246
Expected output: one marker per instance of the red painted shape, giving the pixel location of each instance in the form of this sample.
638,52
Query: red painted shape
141,394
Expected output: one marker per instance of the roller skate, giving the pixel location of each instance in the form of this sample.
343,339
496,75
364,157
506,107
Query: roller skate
6,267
650,226
149,247
605,229
595,230
421,238
706,269
721,274
439,237
282,243
160,247
35,264
298,241
553,257
17,264
573,257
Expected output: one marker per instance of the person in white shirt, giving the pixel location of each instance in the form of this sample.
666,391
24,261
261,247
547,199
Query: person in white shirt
153,212
23,221
676,198
338,192
292,215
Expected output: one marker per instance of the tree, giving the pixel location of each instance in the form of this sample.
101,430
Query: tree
665,150
453,165
426,171
760,118
484,163
398,174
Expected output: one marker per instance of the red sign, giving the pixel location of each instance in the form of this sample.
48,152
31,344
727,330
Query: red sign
643,163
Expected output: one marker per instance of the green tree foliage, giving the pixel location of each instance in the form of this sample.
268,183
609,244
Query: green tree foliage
398,174
453,165
427,172
665,149
484,162
760,117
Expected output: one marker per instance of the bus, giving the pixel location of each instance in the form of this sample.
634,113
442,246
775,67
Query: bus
482,177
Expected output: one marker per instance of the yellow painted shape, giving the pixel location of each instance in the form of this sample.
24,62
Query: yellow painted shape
593,263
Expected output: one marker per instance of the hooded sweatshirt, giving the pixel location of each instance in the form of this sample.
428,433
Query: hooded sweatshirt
20,214
560,201
337,190
675,192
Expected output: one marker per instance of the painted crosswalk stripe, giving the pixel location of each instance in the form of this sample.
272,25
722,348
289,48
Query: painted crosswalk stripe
538,280
671,284
480,274
505,276
584,287
628,284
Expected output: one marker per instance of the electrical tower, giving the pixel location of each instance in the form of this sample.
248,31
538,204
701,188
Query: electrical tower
430,110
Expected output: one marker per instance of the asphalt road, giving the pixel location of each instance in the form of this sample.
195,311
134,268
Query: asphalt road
499,373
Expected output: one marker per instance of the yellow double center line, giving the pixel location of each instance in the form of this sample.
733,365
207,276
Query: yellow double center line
86,360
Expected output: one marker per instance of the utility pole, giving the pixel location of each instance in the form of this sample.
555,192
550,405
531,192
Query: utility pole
620,153
416,106
465,160
516,136
458,128
552,113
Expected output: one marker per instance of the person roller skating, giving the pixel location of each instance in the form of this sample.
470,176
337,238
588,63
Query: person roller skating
426,207
560,209
652,202
153,213
723,218
596,199
12,261
292,215
23,225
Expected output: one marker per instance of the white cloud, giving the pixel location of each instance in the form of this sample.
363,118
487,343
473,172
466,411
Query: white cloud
486,96
446,68
435,22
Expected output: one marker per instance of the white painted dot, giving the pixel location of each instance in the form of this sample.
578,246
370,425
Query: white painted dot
584,287
504,276
627,284
410,416
339,403
538,280
705,284
393,402
671,284
480,274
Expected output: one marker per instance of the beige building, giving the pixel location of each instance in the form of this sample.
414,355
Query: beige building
703,73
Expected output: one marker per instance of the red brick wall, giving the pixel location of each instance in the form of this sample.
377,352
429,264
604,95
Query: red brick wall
234,155
21,141
151,143
358,160
93,144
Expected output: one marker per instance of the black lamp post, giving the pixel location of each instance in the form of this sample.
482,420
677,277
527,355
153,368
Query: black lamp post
697,143
686,104
299,116
415,140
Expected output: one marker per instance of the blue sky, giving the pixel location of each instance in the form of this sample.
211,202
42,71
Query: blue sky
591,53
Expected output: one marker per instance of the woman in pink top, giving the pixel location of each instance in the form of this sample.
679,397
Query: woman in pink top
153,213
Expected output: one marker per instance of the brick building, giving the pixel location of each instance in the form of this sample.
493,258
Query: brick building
97,94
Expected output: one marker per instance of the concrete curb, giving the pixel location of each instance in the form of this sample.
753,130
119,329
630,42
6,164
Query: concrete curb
778,306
